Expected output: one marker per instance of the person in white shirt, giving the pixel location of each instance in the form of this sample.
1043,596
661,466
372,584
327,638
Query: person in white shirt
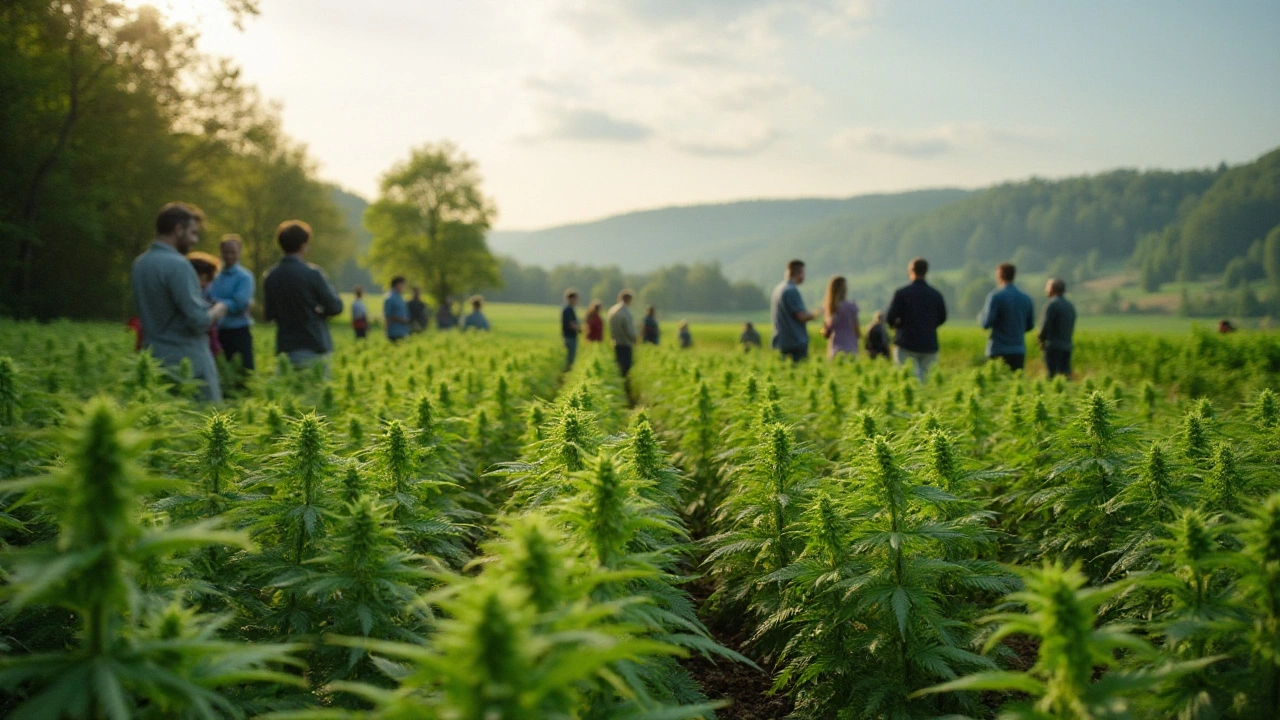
359,314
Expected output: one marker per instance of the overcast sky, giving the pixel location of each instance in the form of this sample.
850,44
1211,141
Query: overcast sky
576,109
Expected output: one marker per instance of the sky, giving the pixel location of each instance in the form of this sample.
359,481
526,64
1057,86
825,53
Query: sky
579,109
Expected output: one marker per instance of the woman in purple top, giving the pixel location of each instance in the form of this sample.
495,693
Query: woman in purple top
840,319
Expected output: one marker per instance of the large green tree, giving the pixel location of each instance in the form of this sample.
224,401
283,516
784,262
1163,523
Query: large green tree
106,113
429,224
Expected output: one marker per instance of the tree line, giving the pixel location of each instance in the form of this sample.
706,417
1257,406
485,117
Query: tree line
700,287
108,112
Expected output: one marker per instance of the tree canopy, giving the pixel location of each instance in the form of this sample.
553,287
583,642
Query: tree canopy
109,112
429,224
700,287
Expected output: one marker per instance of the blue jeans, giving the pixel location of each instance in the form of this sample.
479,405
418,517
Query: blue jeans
571,350
796,353
624,354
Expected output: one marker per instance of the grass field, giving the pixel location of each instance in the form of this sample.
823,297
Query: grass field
723,329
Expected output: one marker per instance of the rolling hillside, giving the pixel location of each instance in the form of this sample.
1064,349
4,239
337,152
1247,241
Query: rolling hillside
743,233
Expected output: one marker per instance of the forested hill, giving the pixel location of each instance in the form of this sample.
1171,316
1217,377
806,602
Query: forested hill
725,233
1171,224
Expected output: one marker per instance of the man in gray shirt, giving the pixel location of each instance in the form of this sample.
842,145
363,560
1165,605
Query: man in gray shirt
622,329
175,317
299,299
789,316
1057,328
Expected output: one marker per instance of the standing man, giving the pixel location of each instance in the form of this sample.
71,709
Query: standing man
622,330
234,288
417,311
789,316
569,327
915,313
174,316
1057,329
299,299
396,313
1009,314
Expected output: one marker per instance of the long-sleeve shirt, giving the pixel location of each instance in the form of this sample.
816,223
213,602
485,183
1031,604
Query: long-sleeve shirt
595,327
475,321
393,307
650,332
1009,314
622,326
174,315
1059,324
300,299
233,287
916,312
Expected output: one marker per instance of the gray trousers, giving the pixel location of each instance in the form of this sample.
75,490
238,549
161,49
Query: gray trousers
922,361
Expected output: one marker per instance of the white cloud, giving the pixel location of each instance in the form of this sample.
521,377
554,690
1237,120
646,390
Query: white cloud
738,145
587,125
930,142
706,78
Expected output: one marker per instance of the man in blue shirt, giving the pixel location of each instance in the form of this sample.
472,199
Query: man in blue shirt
476,320
233,287
1009,315
175,318
395,311
789,315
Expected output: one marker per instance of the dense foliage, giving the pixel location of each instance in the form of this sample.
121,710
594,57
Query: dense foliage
109,112
452,527
701,287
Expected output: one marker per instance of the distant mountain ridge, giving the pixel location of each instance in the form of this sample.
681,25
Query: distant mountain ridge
738,234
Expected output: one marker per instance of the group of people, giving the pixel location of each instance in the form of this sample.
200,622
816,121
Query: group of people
190,303
403,318
622,328
915,313
194,306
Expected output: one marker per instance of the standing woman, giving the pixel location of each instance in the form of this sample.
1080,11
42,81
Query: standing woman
840,319
649,330
595,323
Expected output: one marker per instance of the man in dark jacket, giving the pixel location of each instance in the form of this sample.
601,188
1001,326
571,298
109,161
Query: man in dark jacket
1057,328
1009,314
915,313
299,299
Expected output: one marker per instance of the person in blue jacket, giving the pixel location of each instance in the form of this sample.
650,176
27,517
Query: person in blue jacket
233,287
395,311
1009,314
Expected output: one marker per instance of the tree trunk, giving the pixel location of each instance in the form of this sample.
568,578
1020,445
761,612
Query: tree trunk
31,205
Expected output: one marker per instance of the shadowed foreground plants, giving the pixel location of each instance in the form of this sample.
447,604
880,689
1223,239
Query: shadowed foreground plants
522,639
136,655
1082,671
